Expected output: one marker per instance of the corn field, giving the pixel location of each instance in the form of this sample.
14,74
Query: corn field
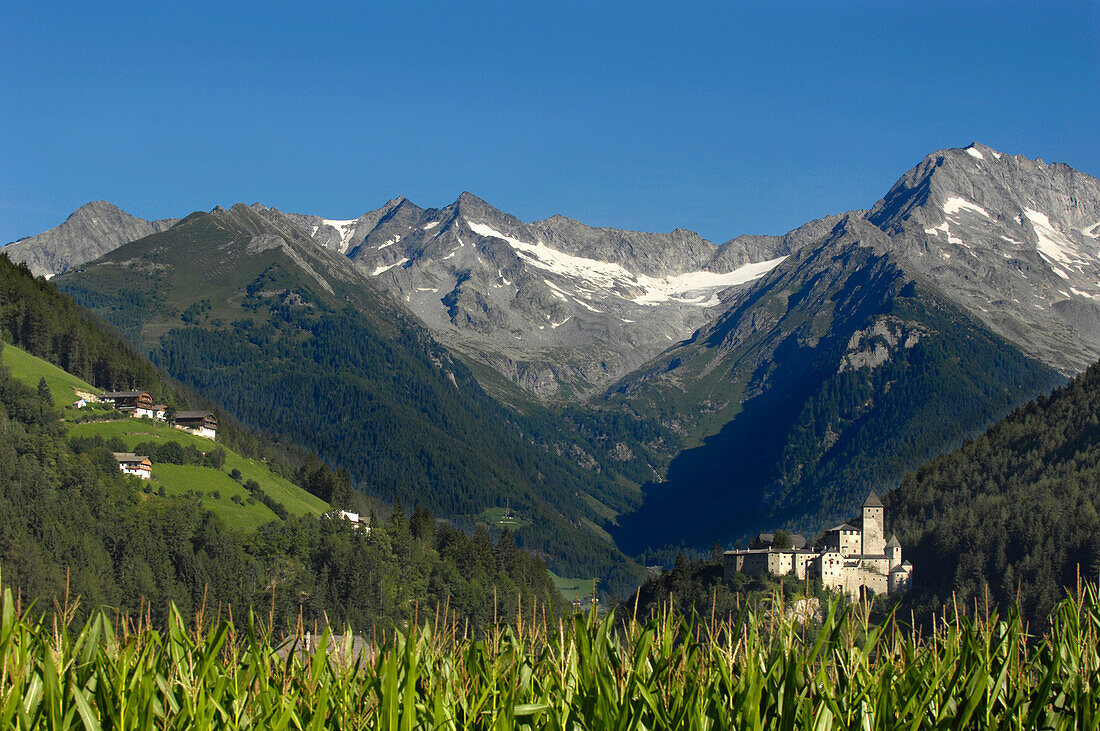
764,670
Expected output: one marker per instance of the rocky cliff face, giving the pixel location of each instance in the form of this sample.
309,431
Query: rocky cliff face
555,306
1014,241
90,232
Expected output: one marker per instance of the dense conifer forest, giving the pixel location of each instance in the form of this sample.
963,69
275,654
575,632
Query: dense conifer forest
1013,511
71,522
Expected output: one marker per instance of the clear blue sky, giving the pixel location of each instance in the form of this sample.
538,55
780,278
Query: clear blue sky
724,117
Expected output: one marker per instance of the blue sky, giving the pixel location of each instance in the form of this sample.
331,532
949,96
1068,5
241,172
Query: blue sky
724,117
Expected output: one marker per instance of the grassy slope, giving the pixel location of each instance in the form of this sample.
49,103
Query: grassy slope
573,588
29,369
176,479
133,431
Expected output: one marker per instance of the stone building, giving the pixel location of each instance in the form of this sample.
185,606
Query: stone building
846,559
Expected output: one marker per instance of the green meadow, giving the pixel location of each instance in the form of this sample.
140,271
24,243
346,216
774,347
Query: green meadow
215,488
178,479
29,369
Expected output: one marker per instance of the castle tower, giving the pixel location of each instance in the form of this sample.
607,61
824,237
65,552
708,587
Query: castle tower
874,529
893,552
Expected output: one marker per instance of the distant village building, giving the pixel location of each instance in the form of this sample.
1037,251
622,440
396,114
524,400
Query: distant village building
200,423
135,403
359,522
848,559
134,464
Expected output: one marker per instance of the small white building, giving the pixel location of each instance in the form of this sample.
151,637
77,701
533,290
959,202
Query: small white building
134,464
86,396
359,522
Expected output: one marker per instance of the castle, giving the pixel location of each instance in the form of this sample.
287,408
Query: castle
848,559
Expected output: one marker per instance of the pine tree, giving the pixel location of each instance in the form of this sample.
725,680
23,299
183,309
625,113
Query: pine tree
44,392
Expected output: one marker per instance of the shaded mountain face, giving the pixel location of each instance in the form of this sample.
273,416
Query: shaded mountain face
839,371
556,307
90,232
1014,241
966,290
294,340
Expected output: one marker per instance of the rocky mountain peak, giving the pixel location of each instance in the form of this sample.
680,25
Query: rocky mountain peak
89,232
96,208
557,306
1014,241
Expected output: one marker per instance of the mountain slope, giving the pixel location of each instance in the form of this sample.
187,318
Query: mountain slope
837,371
554,306
901,332
1014,241
88,233
293,339
1014,510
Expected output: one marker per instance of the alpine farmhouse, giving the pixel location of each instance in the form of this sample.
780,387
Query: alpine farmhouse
137,465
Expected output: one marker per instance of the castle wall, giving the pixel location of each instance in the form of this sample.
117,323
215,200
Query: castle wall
852,560
900,579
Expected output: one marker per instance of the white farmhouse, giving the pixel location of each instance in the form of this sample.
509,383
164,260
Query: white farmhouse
134,464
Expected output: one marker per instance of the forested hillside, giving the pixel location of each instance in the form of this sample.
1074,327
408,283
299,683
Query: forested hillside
70,521
1014,510
295,341
50,326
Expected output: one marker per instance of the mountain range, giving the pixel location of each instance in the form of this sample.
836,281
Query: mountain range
684,392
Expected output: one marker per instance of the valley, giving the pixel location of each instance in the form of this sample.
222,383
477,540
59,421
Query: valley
645,393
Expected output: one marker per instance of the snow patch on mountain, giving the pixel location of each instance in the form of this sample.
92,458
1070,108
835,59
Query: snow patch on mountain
954,204
1053,244
700,284
346,229
387,267
558,292
697,288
